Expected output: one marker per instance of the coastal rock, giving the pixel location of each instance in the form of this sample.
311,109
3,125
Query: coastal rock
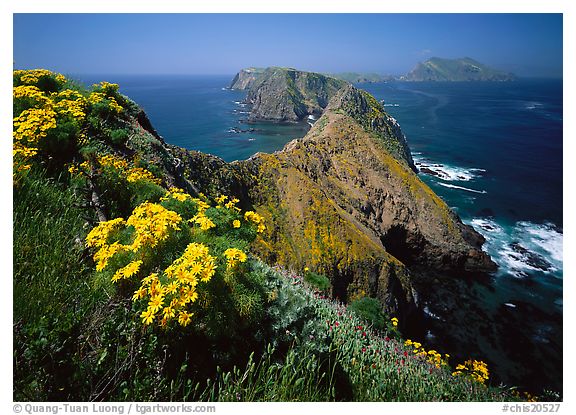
285,94
463,69
246,78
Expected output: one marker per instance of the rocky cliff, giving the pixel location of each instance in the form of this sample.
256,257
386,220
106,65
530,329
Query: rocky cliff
246,78
463,69
285,94
344,200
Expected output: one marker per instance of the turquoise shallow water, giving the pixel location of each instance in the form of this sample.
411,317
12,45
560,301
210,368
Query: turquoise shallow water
492,151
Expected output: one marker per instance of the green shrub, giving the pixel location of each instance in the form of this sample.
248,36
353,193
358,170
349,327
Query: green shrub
119,136
369,310
317,281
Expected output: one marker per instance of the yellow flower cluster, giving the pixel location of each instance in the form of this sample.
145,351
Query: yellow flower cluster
476,370
170,298
107,87
168,293
70,102
177,194
432,356
96,97
151,223
129,270
233,257
256,219
394,321
31,93
32,76
32,124
204,221
132,174
98,238
29,128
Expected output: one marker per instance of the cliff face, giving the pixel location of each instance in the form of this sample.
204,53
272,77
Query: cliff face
464,69
339,201
344,201
246,78
284,94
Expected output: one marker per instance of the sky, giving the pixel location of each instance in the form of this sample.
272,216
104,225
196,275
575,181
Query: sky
526,44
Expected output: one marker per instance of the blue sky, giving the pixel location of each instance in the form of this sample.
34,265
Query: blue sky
527,44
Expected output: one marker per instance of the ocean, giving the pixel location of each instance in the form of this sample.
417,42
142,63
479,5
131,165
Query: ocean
492,151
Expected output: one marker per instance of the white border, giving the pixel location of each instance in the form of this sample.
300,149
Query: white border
8,7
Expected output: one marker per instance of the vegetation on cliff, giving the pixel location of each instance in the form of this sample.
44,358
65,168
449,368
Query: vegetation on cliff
143,284
285,94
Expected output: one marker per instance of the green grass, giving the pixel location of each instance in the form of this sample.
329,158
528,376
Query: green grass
50,270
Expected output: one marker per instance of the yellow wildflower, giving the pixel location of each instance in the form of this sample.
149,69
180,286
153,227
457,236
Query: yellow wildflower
147,316
155,303
184,318
234,256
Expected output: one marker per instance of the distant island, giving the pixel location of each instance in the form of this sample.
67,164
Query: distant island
361,77
455,70
434,69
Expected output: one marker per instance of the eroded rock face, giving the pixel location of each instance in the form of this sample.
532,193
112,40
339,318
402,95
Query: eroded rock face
246,78
285,94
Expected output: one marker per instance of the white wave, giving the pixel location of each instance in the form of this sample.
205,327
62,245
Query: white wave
546,237
533,105
430,313
446,172
523,248
452,186
486,227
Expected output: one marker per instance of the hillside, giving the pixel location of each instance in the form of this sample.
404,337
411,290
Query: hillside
139,273
285,94
463,69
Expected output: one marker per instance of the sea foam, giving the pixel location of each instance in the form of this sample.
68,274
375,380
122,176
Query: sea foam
524,248
452,186
446,172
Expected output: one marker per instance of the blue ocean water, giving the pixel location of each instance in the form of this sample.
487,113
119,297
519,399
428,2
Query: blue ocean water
492,151
200,113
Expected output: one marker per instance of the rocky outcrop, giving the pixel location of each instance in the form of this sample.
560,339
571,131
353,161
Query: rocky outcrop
464,69
285,94
246,78
338,200
345,201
